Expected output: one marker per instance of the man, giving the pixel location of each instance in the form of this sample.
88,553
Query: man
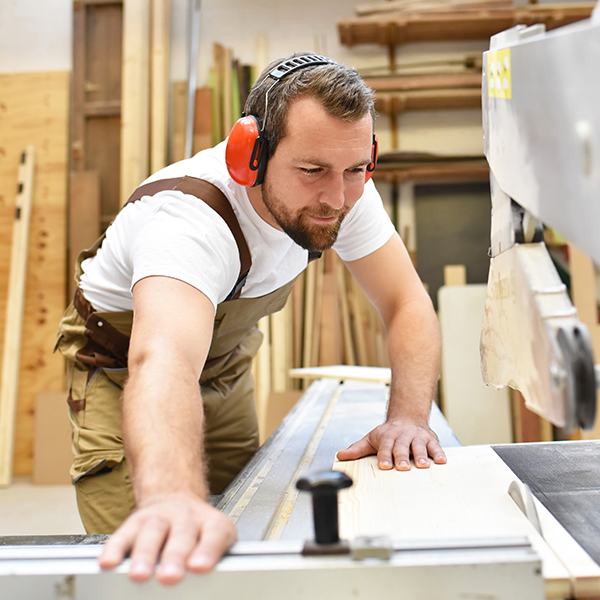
174,262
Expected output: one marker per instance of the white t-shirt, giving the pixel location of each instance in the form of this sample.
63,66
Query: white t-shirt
177,235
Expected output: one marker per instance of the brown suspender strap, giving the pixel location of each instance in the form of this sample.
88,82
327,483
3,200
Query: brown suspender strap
213,197
216,199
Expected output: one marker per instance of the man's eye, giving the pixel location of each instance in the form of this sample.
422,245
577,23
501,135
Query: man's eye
311,171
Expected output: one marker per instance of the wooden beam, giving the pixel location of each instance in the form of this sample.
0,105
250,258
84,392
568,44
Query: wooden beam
135,119
349,354
178,116
159,82
280,349
13,330
203,134
330,338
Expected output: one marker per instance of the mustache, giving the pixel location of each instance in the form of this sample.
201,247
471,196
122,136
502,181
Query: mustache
325,212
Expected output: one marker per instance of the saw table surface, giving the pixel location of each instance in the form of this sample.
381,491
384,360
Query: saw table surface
565,478
263,500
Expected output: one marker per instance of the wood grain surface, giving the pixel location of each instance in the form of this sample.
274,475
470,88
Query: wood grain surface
466,498
34,110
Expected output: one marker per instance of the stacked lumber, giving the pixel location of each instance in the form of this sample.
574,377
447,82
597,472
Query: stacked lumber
218,104
144,91
327,321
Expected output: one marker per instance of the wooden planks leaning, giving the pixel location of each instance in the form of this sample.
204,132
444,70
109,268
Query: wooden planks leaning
466,498
13,326
34,110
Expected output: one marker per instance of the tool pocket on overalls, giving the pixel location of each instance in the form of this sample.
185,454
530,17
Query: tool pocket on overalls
96,419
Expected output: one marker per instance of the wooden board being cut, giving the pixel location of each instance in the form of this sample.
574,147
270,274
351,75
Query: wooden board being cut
34,110
344,372
465,499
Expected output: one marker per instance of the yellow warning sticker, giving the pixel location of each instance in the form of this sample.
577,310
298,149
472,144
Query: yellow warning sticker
498,73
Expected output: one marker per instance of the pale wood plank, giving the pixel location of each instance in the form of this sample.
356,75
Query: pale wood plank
477,413
135,90
309,313
330,338
345,372
281,349
318,302
349,354
11,355
178,116
298,312
227,91
455,275
262,376
466,498
203,125
159,82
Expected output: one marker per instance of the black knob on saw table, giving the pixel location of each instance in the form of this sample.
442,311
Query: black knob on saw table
324,487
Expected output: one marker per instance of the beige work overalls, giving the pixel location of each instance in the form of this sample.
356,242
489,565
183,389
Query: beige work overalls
96,344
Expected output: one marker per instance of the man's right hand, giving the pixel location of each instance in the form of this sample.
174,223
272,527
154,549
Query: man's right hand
191,533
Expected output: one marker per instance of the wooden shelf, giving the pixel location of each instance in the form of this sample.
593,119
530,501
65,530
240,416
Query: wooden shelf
397,102
397,83
401,28
431,170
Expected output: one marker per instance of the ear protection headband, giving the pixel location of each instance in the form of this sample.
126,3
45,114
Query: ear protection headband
247,147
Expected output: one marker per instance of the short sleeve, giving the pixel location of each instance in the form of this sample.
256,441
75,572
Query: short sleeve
186,240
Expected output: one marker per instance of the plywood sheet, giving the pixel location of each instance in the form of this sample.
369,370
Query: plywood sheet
466,498
34,110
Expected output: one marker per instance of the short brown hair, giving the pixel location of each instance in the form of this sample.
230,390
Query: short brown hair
339,89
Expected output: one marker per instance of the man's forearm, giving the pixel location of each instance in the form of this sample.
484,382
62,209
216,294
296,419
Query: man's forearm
414,348
162,431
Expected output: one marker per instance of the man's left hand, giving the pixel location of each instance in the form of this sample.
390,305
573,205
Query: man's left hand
394,442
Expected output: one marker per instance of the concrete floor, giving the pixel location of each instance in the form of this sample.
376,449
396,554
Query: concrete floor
27,509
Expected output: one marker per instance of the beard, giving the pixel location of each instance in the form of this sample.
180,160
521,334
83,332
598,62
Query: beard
307,233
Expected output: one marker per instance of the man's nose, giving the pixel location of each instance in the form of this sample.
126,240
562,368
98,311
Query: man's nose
334,193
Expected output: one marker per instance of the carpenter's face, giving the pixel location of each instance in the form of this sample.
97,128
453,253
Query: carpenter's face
316,174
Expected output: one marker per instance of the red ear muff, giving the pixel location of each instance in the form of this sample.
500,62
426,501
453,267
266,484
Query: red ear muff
374,155
246,152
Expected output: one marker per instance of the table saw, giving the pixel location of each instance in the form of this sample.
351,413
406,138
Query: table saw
441,558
